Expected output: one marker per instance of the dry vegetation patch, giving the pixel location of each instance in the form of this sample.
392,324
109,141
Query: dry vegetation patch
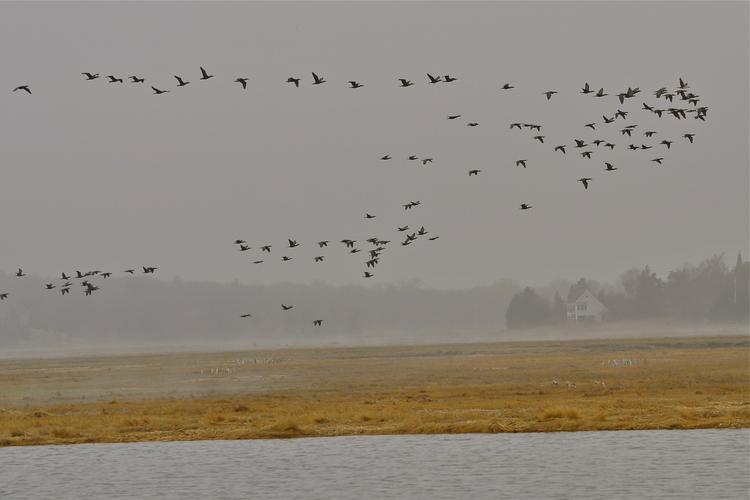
496,387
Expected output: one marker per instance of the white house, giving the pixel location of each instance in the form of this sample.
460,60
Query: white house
586,309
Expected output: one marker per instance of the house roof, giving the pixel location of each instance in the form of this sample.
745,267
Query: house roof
589,298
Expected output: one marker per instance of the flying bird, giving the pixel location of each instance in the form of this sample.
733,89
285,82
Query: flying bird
473,172
590,125
293,243
157,91
658,160
180,81
689,136
609,168
368,216
20,273
322,244
586,154
355,85
245,315
293,80
549,94
317,81
472,124
22,87
50,286
586,89
205,76
368,275
136,79
666,143
285,308
560,148
317,322
453,117
523,162
525,206
112,79
600,93
266,248
539,138
3,296
424,161
585,181
405,83
89,76
434,79
449,79
319,258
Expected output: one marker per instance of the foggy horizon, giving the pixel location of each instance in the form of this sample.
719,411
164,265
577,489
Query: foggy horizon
109,176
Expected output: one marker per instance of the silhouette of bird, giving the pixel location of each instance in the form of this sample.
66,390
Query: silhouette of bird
368,216
136,79
239,242
64,277
549,94
623,114
449,79
412,157
472,124
355,85
609,168
590,125
112,79
157,91
386,157
649,133
285,308
610,146
20,273
422,231
22,87
689,136
205,76
586,89
89,76
293,243
683,85
244,248
426,160
322,244
539,138
405,83
524,206
405,228
586,154
149,270
473,172
453,117
515,125
63,291
131,271
597,142
317,322
243,81
560,148
658,160
293,80
319,258
368,275
245,315
257,262
600,93
585,181
50,286
180,81
508,86
317,81
608,120
434,79
266,248
666,143
523,162
433,238
106,275
286,259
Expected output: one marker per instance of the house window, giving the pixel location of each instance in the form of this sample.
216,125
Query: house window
581,307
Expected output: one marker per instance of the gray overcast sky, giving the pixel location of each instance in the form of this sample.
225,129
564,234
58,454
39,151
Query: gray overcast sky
98,175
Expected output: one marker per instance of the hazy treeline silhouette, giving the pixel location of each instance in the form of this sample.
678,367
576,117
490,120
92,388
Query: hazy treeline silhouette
146,310
708,292
143,310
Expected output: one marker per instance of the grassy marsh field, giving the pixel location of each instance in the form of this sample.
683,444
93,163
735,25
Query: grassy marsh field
685,383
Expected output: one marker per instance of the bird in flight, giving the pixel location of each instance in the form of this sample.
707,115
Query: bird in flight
157,91
293,243
317,81
658,160
239,242
112,79
322,244
508,86
560,148
319,258
355,85
180,81
472,124
205,76
285,308
243,81
586,89
666,143
266,248
386,157
473,172
20,273
368,275
586,154
317,322
600,93
585,181
131,271
405,83
244,248
136,79
524,206
293,80
453,117
590,125
539,138
368,216
689,136
609,168
549,94
89,76
64,277
3,296
413,157
285,258
22,87
50,286
449,79
523,162
434,79
245,315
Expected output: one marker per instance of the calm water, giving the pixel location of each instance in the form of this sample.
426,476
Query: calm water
626,464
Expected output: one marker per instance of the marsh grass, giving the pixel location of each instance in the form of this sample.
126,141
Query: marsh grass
503,387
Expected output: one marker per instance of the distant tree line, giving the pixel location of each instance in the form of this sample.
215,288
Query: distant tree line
708,292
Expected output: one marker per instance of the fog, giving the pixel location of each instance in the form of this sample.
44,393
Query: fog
109,176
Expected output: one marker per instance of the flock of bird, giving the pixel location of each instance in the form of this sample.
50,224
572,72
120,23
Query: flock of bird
377,245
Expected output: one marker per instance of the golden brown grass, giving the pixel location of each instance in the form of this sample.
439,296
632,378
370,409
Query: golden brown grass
686,383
